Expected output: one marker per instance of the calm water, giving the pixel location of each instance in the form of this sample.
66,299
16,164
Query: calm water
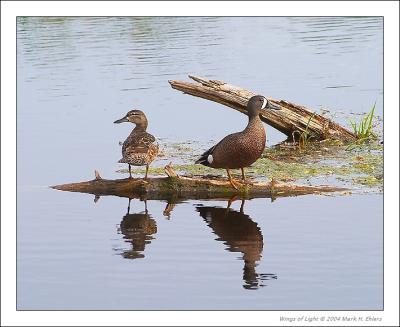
77,75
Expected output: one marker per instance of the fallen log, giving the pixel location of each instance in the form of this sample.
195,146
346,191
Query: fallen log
293,120
174,188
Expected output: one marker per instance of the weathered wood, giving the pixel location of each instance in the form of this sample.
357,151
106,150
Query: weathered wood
184,188
292,120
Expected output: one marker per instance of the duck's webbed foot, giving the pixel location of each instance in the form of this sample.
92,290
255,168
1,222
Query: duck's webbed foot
234,184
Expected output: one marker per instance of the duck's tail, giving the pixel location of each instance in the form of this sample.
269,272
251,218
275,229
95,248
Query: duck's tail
206,158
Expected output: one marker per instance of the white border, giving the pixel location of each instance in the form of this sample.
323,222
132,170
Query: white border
9,11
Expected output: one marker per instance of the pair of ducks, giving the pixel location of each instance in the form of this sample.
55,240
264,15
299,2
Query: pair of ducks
237,150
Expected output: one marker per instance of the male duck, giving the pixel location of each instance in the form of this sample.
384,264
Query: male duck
239,150
139,148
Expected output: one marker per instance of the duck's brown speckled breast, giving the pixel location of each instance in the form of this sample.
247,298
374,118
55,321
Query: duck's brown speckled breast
139,149
241,149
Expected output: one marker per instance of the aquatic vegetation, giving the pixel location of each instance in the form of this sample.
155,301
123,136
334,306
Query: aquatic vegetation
363,129
305,136
362,170
311,162
367,181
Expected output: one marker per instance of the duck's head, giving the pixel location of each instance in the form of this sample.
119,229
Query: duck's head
134,116
259,102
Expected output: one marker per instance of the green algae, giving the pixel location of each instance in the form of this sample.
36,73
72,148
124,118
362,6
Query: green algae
361,168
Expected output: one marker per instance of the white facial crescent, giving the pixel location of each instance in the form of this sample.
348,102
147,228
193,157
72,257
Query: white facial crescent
264,103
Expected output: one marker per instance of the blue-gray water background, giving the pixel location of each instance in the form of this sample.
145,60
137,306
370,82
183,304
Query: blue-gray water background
77,75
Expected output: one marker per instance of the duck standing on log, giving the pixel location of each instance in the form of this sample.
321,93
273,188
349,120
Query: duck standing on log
239,150
140,148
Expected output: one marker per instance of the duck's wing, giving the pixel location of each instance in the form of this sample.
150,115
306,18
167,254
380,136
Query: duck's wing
139,150
205,159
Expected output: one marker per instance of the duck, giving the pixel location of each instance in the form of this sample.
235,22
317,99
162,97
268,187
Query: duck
241,149
140,148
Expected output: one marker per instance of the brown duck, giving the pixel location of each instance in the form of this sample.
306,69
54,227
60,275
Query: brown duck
140,148
239,150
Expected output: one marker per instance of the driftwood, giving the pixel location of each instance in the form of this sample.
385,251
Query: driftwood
174,188
293,120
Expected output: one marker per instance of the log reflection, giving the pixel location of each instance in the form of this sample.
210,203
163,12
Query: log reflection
240,234
138,229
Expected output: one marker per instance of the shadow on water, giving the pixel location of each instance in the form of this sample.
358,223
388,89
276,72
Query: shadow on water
138,229
241,234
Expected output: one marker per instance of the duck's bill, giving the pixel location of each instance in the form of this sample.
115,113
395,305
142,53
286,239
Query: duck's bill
274,106
122,120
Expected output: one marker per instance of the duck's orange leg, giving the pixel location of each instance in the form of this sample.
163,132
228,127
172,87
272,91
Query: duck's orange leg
231,181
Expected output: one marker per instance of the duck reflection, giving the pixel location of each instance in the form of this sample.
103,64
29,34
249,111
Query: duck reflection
138,229
240,234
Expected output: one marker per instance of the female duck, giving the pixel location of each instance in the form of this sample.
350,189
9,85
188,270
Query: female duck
139,148
240,149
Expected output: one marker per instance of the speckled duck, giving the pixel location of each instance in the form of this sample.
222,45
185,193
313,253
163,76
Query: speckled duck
140,148
240,150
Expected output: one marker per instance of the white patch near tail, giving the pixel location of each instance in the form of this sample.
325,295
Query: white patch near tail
264,103
210,159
